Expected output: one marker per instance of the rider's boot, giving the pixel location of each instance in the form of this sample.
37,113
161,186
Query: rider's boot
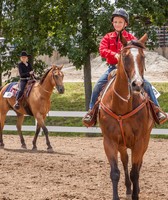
90,119
162,117
17,105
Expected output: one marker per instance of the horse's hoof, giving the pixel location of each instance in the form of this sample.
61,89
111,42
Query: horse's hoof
50,150
34,149
129,197
2,146
24,146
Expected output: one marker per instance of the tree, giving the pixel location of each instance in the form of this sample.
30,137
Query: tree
145,17
71,27
27,27
76,34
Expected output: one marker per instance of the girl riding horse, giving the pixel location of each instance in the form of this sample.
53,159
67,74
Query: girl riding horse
110,47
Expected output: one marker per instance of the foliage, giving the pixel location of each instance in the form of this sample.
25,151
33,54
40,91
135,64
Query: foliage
145,17
26,27
74,28
81,22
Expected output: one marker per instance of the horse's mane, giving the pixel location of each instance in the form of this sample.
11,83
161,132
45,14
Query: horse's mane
136,43
44,76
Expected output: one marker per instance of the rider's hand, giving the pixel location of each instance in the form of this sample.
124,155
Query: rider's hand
117,56
31,72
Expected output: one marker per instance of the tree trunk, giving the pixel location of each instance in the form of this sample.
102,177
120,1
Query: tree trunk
0,43
0,77
87,81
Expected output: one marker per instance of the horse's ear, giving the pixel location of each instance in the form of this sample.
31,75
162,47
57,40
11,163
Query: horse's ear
144,38
122,39
60,67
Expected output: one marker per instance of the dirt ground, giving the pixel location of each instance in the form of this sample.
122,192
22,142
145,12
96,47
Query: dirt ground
77,169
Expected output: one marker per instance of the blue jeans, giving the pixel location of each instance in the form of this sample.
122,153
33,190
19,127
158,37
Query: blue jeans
99,85
103,80
148,89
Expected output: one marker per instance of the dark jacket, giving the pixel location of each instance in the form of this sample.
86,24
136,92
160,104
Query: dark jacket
24,70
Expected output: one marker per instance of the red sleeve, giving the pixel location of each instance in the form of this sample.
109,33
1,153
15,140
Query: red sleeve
107,49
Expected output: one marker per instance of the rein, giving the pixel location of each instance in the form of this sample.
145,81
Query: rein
126,100
45,89
120,118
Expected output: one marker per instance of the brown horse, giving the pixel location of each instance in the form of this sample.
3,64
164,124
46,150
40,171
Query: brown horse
38,102
125,118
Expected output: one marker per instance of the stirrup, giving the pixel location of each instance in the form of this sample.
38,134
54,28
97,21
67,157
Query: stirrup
162,117
16,106
89,119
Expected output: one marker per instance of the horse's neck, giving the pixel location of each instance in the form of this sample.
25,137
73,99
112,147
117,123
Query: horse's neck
47,86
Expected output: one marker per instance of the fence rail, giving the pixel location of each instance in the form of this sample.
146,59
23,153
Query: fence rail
69,129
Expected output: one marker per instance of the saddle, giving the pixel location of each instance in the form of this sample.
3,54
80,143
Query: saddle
28,87
26,94
12,90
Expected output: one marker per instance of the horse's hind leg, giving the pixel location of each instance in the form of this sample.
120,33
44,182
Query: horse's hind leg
1,136
124,159
2,121
20,119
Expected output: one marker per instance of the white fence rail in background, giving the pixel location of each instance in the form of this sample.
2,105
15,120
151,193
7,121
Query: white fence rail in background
68,128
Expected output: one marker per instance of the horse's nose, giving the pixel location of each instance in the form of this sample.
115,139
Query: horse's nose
137,82
61,90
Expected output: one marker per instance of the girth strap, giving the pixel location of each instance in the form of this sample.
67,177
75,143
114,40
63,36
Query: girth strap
120,118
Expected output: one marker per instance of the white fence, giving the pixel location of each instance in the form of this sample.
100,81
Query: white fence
68,128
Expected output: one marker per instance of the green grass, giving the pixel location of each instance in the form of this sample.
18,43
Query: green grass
74,100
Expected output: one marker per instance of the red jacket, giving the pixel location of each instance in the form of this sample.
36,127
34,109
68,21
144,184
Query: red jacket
109,46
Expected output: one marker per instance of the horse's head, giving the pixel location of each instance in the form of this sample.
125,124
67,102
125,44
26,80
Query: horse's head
133,60
58,78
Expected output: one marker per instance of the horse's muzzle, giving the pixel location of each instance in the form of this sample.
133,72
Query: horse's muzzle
137,85
60,89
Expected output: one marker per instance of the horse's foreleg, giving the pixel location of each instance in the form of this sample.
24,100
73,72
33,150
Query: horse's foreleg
20,119
45,130
36,136
40,122
112,155
137,155
124,159
134,174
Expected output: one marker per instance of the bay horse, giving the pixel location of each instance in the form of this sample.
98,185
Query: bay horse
125,118
38,102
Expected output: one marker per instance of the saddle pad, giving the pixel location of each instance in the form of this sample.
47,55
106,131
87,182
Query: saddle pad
11,90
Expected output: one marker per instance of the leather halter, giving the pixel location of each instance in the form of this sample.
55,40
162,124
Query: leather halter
120,118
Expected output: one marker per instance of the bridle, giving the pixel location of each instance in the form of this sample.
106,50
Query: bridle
54,76
132,44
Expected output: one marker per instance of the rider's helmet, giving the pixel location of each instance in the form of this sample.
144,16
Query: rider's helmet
120,12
